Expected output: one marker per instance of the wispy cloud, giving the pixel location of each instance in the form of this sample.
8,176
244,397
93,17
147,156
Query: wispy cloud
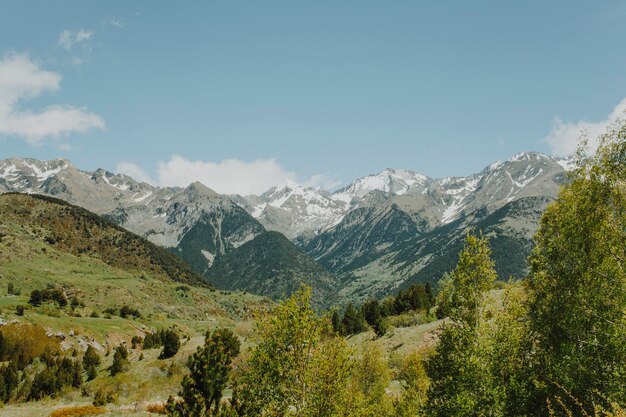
67,38
117,22
564,136
230,176
135,171
22,79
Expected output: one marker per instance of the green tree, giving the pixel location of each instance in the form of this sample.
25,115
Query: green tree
368,385
171,344
298,368
276,381
91,358
209,370
372,313
414,384
461,383
36,298
353,321
578,283
120,361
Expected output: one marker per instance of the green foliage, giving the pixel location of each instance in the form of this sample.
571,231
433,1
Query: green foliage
414,385
171,344
473,276
120,361
209,370
59,373
37,297
126,311
19,309
578,283
91,358
368,384
9,380
461,383
373,316
294,369
352,322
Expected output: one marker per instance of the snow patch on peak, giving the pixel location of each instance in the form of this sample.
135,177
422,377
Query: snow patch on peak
568,164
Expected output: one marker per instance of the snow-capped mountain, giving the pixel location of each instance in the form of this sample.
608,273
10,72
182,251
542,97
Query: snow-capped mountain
295,210
298,211
389,239
196,223
392,181
377,234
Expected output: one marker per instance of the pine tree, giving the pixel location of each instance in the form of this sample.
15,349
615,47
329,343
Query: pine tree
120,361
171,344
209,370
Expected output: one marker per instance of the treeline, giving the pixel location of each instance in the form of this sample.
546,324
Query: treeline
374,313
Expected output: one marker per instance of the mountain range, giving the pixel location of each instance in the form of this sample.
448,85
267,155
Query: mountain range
380,233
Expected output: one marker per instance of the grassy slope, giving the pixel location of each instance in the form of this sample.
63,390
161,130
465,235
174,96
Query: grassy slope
30,262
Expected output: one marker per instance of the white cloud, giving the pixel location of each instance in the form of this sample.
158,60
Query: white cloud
135,171
564,136
21,79
323,181
231,176
67,39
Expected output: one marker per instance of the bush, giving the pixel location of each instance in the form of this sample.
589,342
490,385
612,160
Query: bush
171,344
126,311
102,397
83,410
91,358
19,310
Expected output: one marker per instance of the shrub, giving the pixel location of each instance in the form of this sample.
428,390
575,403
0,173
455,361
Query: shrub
83,410
171,344
91,358
126,311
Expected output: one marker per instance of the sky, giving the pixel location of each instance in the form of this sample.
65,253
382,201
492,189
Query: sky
243,95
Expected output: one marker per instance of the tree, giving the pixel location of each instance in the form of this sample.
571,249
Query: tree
209,369
577,284
171,344
414,383
368,384
372,313
298,367
120,361
36,298
473,276
444,296
461,383
91,358
353,321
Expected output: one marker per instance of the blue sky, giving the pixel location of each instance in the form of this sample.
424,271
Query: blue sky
320,92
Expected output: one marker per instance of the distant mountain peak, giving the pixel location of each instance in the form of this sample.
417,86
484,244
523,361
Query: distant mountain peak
200,189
